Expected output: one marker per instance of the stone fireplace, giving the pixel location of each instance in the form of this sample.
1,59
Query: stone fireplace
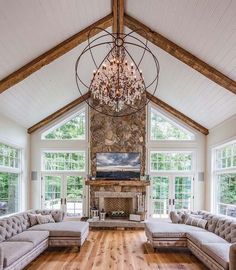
126,196
128,202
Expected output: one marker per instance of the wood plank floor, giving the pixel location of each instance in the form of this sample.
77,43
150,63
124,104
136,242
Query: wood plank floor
116,250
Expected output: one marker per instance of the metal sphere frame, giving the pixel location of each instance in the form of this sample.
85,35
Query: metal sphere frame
118,40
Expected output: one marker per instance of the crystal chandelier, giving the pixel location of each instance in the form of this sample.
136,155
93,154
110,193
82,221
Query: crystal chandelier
117,85
117,82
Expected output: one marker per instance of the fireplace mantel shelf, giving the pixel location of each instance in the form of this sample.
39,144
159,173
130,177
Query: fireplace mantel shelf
129,183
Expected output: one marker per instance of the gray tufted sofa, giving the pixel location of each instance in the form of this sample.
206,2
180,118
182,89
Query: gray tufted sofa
215,246
20,243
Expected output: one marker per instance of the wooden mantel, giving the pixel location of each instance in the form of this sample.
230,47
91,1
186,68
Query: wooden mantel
129,183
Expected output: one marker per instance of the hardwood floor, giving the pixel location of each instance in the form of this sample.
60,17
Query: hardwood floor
116,250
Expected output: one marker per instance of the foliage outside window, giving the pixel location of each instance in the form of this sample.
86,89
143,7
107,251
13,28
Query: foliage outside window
9,179
165,129
74,129
170,161
64,161
9,156
225,180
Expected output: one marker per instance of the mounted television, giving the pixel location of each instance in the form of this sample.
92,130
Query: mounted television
121,166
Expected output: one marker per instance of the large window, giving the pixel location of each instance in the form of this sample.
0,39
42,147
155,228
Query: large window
170,161
162,128
172,181
71,129
225,179
9,179
63,161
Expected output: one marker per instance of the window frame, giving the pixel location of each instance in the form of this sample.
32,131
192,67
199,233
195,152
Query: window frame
63,121
216,172
18,171
173,121
186,151
67,150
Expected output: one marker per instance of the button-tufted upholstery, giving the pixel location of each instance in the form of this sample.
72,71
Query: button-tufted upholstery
10,227
215,246
19,246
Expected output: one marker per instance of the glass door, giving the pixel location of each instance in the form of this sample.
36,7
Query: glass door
52,192
160,196
171,192
74,194
183,193
63,191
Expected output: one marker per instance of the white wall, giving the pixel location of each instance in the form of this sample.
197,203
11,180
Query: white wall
223,133
13,134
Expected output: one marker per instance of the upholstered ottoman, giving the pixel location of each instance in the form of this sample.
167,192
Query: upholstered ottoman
65,233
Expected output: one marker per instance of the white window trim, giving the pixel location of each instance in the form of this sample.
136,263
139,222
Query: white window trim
59,122
193,152
173,121
18,171
67,150
215,172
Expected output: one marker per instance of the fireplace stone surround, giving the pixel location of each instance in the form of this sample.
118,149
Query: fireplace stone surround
128,196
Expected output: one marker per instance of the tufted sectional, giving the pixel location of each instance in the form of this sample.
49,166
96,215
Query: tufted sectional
20,243
215,245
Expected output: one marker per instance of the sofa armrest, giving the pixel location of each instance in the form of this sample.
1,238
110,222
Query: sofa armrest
1,258
232,257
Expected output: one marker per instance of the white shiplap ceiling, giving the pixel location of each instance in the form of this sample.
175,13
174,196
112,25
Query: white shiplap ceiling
205,28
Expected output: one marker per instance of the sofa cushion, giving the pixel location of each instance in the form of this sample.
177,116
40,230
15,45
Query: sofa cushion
65,228
12,251
199,237
43,219
211,220
35,237
219,252
194,221
168,229
57,214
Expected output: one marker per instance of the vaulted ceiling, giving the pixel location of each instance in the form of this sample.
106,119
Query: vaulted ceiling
206,29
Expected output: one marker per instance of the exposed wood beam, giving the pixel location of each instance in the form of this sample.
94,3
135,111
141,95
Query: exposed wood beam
59,113
177,114
118,16
181,54
53,54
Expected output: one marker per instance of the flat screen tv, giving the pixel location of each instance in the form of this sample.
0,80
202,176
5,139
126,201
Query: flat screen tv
122,166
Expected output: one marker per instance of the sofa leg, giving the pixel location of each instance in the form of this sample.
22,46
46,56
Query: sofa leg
78,248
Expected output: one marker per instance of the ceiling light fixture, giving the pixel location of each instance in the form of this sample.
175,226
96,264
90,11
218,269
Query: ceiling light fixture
117,85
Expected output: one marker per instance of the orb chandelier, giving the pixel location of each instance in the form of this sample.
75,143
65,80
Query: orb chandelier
117,84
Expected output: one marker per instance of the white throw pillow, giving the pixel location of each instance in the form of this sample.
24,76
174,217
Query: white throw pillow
42,219
194,221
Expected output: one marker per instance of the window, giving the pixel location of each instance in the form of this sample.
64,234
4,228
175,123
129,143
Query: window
9,156
225,179
9,179
72,129
170,161
162,128
171,181
63,161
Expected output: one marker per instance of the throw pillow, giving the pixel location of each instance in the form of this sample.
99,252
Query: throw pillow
193,221
33,219
175,218
42,219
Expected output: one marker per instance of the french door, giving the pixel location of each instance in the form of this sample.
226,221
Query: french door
63,191
171,192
